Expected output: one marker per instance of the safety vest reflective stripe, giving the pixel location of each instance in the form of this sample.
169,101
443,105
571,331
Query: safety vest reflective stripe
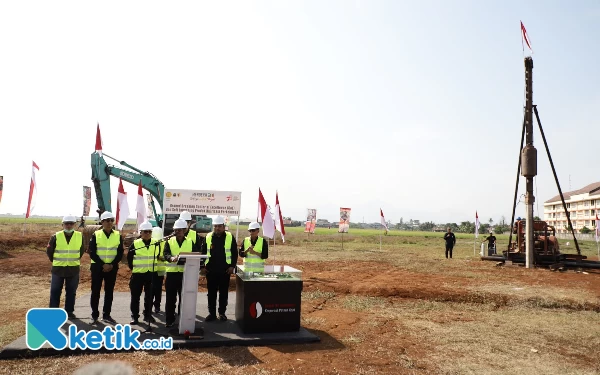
106,247
67,254
228,241
186,246
254,263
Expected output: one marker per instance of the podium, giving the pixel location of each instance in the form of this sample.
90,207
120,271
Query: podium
189,291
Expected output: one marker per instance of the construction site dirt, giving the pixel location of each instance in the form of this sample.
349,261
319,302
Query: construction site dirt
398,308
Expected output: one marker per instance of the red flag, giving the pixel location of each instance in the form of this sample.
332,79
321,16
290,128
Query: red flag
98,140
265,216
383,220
122,207
279,218
32,190
140,206
525,37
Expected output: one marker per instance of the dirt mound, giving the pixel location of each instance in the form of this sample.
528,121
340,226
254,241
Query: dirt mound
11,241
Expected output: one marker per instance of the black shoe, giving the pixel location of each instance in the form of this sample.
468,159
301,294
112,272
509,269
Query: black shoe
210,318
222,317
149,319
157,310
71,316
108,318
94,320
169,324
135,322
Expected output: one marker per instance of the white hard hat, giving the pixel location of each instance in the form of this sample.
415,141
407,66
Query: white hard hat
219,220
185,215
146,226
69,219
157,233
106,215
254,225
180,224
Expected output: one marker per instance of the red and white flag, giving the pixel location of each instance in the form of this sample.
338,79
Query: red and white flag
525,37
279,218
122,206
597,230
140,206
264,216
32,190
383,220
98,141
476,225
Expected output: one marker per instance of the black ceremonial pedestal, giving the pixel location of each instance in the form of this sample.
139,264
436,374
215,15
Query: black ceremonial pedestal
270,302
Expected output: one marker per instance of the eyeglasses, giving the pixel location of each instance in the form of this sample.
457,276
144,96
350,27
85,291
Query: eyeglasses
147,231
252,230
109,220
68,223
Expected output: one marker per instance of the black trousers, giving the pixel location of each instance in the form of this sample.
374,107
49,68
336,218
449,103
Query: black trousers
109,279
157,286
138,282
449,249
173,286
217,281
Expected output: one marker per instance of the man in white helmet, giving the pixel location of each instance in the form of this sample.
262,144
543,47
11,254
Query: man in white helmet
106,251
175,267
191,234
157,282
221,248
64,250
142,259
254,250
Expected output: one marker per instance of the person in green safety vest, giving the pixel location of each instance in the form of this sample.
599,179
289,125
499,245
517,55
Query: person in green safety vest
254,250
222,251
161,270
142,260
106,251
175,267
64,250
191,234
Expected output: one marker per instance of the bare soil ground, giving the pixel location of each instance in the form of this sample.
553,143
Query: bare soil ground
401,309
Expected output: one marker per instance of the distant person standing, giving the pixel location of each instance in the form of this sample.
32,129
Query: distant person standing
491,243
450,242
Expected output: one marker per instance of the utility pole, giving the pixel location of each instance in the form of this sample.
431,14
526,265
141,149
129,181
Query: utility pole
529,161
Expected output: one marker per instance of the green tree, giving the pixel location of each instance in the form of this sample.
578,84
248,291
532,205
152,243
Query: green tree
536,218
585,230
427,226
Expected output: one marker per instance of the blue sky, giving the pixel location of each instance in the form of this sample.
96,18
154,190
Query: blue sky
414,107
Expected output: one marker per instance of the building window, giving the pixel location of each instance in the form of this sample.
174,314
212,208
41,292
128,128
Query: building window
587,213
586,223
568,205
586,203
592,212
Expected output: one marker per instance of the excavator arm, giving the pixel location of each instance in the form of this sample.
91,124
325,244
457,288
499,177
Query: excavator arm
101,172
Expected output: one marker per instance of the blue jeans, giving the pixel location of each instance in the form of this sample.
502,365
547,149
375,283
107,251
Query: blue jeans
56,286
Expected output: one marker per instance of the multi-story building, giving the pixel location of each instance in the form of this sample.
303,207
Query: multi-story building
582,206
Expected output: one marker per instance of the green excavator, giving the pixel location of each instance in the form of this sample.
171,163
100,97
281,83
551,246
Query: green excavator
101,172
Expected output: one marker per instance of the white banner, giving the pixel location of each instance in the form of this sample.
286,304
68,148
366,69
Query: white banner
202,202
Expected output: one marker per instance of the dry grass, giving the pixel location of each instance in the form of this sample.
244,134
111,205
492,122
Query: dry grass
475,339
18,294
